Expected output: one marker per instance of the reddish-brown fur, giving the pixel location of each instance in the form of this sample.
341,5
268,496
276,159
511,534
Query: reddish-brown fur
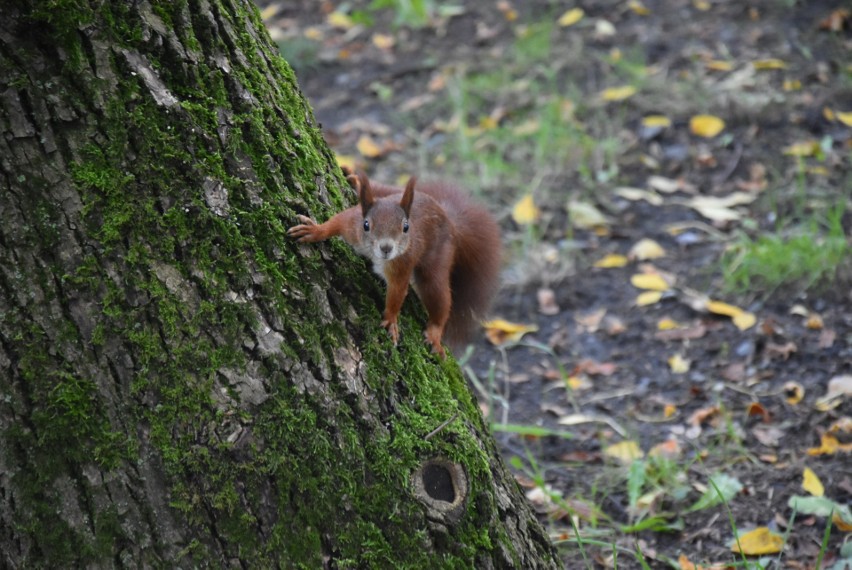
452,252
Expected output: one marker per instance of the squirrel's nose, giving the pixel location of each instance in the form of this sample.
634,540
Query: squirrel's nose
386,248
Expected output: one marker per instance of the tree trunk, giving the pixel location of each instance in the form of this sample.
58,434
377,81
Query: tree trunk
181,384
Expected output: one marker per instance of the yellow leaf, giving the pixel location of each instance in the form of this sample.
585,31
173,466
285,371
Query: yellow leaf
669,410
313,33
648,298
646,249
811,483
649,281
720,65
720,308
841,524
625,451
678,364
791,85
845,118
488,123
346,160
706,126
571,17
340,20
744,320
805,148
269,11
759,541
701,5
525,211
618,93
383,41
611,260
828,114
368,147
829,445
793,393
667,324
529,127
638,7
652,121
500,331
771,63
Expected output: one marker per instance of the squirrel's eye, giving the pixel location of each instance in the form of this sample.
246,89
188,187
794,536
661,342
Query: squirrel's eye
405,227
366,225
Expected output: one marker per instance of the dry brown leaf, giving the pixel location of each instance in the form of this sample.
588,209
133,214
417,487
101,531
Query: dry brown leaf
669,449
703,415
613,325
826,338
814,322
757,409
836,20
783,350
770,436
691,332
591,321
547,301
594,368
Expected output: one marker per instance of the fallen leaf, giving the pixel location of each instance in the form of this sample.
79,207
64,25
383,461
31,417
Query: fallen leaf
547,302
722,488
591,321
656,121
500,331
669,185
604,29
571,17
757,409
793,392
744,320
593,368
703,415
811,483
814,322
845,118
836,20
829,445
678,364
624,452
611,260
771,63
638,7
707,126
269,11
783,350
669,410
719,65
720,308
618,93
821,507
648,298
802,149
584,215
649,281
770,436
691,332
346,161
645,249
758,541
340,20
383,41
368,147
826,338
670,449
525,211
838,389
667,324
636,194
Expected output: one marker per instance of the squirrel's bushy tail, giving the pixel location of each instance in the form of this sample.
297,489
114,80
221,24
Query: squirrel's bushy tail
476,270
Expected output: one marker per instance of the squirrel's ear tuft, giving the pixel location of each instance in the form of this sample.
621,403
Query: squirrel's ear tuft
365,193
408,196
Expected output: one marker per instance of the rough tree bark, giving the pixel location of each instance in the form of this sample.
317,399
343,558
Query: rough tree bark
181,384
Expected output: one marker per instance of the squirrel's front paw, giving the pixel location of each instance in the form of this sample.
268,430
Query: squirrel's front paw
392,328
306,231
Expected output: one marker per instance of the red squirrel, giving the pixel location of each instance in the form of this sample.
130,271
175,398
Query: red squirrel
447,246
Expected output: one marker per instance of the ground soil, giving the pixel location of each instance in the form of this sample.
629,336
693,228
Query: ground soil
626,384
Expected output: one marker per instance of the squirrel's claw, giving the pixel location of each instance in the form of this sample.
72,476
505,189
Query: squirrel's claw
433,336
393,329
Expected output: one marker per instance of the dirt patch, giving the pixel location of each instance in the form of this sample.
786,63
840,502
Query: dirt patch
508,101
